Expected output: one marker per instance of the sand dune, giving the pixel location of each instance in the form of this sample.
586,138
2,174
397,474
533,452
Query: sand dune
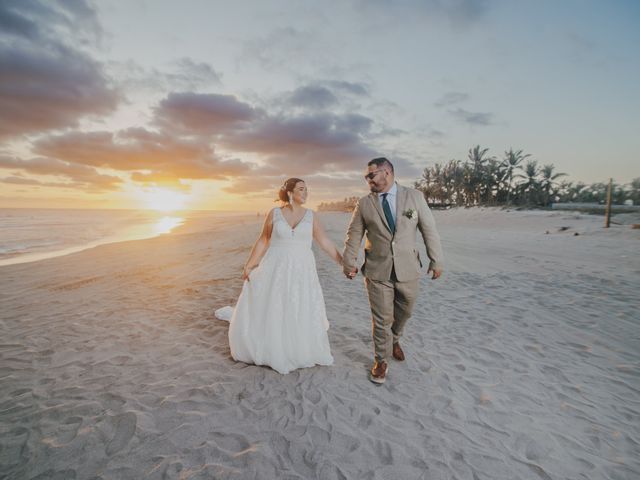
522,363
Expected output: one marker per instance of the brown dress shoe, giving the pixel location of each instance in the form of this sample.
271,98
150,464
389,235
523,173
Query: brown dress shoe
398,354
378,373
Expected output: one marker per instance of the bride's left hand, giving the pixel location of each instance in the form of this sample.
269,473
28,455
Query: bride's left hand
246,271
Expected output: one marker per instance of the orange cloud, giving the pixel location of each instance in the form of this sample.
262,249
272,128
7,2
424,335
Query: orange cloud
82,177
161,155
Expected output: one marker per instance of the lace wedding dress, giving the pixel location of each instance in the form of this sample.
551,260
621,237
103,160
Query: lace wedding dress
280,318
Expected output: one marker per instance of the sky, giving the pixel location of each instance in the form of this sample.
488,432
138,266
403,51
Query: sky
213,104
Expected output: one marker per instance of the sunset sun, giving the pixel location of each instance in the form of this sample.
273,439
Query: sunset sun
163,200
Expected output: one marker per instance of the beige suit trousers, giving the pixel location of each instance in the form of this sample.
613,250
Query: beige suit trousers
391,306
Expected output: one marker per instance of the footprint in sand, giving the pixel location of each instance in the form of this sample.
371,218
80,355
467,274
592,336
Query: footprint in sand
56,475
68,430
328,471
365,421
120,360
112,401
13,445
172,471
125,425
20,391
314,396
383,452
74,285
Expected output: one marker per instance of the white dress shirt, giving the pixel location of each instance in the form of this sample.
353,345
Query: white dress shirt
391,198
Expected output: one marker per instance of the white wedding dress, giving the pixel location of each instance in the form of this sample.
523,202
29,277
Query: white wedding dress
280,318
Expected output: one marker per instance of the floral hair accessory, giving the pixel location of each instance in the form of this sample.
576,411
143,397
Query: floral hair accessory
410,214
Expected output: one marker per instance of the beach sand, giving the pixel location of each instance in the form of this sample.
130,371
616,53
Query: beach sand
523,362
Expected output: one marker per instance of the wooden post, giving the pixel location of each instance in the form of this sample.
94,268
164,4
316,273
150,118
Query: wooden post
607,214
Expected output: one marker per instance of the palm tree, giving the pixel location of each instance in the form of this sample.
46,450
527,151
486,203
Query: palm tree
548,181
634,191
512,162
531,184
426,184
577,192
477,158
454,174
493,178
437,189
565,191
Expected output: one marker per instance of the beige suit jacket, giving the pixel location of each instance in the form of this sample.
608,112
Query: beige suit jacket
384,250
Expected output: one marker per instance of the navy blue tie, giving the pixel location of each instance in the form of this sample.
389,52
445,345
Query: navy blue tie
387,212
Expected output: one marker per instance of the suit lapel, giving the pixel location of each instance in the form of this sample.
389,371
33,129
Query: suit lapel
401,202
373,197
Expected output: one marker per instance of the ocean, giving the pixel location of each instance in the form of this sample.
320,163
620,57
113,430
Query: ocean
28,234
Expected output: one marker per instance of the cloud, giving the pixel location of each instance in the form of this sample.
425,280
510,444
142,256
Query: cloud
472,118
462,12
321,186
312,97
52,88
403,167
184,74
149,155
320,141
20,181
202,113
38,183
310,145
55,21
191,74
39,91
451,98
353,88
82,177
317,142
324,95
458,13
281,48
257,185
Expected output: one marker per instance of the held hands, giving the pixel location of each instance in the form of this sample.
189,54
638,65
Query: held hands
350,274
435,273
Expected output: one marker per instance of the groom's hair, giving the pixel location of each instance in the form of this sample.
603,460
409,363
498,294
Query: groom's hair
381,162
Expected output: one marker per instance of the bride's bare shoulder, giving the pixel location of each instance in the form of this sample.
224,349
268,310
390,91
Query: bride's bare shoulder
272,213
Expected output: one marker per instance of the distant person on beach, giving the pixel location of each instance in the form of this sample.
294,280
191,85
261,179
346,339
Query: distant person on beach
280,318
390,216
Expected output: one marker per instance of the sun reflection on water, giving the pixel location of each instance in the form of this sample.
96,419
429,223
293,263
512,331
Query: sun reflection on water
166,224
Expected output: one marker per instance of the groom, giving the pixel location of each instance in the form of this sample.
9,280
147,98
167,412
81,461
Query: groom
390,216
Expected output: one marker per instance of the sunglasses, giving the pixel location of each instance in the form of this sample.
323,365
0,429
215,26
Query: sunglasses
371,175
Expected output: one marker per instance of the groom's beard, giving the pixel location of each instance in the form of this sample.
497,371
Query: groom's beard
376,188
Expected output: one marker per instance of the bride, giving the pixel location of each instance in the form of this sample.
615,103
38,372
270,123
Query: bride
280,318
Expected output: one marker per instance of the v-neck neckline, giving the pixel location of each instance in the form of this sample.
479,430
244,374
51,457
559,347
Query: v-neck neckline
299,221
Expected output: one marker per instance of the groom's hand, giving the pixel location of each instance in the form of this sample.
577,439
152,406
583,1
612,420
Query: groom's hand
435,273
350,274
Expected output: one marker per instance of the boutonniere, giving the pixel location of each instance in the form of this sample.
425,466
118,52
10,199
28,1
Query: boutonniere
410,214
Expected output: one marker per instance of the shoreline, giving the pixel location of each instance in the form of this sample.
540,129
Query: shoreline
197,222
164,225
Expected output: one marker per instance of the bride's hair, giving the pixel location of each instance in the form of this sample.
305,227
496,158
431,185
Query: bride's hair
289,185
